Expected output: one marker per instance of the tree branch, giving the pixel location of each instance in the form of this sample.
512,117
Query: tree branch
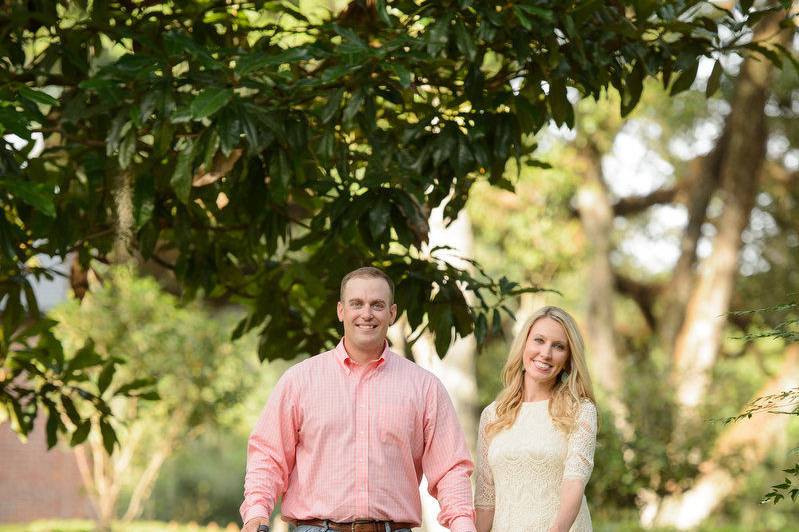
635,204
644,295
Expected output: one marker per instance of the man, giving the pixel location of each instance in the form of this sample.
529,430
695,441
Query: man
346,435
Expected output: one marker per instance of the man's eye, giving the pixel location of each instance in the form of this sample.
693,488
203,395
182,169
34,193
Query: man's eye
378,307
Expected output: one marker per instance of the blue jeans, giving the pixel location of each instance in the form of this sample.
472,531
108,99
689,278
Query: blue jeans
310,528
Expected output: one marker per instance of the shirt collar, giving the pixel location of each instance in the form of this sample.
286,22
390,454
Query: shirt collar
346,363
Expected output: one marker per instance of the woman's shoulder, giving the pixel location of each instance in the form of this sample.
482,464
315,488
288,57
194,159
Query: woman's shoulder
489,413
587,413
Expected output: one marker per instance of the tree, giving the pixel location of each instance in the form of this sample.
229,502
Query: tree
677,473
145,333
259,152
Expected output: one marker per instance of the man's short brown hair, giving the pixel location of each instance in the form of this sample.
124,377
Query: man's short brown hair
368,272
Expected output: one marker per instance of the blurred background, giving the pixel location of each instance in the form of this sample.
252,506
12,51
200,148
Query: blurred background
672,234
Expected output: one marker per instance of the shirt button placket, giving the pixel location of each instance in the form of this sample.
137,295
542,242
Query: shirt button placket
362,446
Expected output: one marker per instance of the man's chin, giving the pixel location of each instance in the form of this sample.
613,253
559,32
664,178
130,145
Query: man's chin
368,341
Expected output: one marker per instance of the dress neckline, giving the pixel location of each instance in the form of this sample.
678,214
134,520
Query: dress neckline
539,402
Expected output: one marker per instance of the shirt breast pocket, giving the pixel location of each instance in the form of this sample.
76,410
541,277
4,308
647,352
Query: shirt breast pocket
398,421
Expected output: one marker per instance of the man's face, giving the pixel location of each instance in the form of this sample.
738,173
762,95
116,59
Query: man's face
366,312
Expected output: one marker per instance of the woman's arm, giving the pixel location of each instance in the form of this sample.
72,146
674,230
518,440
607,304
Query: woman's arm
485,518
577,467
484,492
571,496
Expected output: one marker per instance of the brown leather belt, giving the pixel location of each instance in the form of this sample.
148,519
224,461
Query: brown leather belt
355,526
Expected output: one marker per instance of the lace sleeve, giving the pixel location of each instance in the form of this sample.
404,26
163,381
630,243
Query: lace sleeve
484,495
582,442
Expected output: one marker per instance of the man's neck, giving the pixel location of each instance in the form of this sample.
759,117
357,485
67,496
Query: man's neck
363,356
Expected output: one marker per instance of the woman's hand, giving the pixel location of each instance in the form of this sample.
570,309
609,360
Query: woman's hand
571,496
485,519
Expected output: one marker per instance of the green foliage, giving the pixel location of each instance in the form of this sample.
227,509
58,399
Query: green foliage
38,375
783,403
270,151
146,336
203,482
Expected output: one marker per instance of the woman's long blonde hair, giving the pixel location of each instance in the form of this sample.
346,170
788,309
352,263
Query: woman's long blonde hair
566,397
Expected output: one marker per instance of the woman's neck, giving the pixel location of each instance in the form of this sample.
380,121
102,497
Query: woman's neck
535,391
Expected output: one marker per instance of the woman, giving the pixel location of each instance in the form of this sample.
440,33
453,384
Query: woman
536,441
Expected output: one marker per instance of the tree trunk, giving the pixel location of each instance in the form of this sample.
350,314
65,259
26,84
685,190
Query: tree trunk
699,339
676,293
123,205
596,214
741,447
458,368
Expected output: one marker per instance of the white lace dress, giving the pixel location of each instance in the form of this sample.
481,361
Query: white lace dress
519,472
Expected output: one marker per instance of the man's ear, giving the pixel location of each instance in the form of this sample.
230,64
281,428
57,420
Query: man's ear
340,311
393,313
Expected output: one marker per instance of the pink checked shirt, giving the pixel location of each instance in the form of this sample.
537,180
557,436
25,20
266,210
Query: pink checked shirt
345,442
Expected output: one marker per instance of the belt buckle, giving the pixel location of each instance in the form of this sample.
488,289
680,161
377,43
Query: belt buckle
353,524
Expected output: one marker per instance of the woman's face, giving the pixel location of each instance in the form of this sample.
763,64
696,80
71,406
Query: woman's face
546,352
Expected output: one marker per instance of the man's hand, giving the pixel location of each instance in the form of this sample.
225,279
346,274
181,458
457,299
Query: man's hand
253,524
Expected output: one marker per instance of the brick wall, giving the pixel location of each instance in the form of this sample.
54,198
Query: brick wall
36,483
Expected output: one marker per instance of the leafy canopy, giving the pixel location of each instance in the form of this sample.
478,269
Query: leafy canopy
259,151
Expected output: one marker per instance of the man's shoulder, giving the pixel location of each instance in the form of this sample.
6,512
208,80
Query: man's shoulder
412,369
307,366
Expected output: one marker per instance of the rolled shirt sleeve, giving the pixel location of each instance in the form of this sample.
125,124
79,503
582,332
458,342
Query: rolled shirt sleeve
271,452
446,462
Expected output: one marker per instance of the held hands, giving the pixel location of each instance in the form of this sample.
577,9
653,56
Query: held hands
256,524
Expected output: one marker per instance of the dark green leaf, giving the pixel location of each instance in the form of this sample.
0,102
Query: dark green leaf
685,80
105,376
353,106
562,111
40,197
480,328
181,177
109,436
382,12
632,89
127,148
402,73
133,385
378,218
332,105
81,432
84,358
464,41
53,422
443,331
71,411
152,395
210,101
714,80
37,96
